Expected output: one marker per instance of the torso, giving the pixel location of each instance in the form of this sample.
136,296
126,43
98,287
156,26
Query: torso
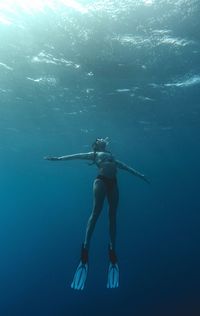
105,161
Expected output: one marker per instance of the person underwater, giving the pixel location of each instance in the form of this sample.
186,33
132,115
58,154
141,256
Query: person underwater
104,186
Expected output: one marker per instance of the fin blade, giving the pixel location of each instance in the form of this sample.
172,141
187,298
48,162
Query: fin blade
113,276
80,277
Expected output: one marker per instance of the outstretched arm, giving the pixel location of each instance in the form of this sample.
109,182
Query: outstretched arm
123,166
85,156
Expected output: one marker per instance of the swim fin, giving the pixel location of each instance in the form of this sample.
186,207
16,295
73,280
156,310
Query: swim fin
113,271
80,276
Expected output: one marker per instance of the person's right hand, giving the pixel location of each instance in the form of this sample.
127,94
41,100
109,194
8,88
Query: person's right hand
51,158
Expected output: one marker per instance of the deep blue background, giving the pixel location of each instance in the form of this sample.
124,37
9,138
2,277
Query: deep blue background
129,70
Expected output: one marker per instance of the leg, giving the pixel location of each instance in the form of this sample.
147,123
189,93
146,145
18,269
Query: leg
113,271
113,198
99,192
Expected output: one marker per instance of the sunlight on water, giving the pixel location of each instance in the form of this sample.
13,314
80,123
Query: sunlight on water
30,7
148,2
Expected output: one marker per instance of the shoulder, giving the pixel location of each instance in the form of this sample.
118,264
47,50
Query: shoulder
90,154
110,155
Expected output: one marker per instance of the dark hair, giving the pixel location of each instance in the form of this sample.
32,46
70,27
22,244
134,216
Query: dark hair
94,147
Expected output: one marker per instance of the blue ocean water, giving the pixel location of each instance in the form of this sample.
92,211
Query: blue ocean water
71,71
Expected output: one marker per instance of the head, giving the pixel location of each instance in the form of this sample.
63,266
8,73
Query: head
100,144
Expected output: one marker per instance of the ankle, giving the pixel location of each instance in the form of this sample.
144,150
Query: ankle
112,255
84,254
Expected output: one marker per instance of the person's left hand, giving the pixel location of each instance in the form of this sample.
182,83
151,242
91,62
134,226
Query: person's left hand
146,179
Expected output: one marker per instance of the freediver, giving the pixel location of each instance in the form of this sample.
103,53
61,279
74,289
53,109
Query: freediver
104,186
